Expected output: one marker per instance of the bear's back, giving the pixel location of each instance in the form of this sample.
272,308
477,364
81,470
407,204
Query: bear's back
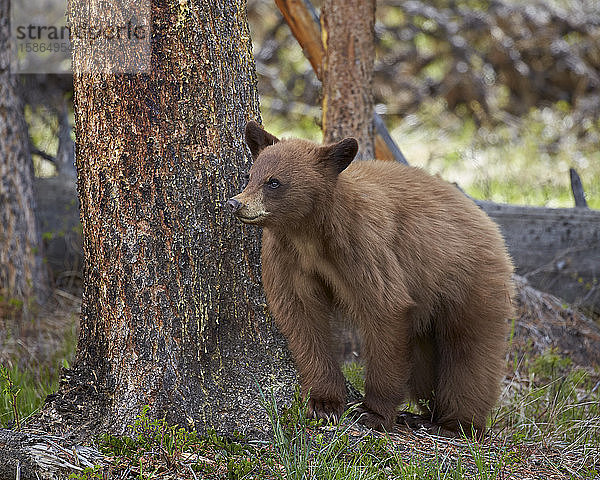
383,190
439,236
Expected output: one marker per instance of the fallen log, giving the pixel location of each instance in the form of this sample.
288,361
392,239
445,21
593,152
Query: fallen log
38,455
556,249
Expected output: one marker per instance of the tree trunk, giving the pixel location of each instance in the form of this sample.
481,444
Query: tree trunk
22,273
65,154
348,39
303,21
173,313
347,30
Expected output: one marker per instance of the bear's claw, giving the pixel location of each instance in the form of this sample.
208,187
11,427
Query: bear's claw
325,409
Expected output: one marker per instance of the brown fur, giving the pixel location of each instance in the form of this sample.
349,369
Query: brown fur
419,268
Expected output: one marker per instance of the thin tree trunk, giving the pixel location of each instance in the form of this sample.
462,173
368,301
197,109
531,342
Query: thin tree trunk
173,313
303,21
65,154
22,274
347,31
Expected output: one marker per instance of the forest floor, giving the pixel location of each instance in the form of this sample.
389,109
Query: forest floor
33,351
547,425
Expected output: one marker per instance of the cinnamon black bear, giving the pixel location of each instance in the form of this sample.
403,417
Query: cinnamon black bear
417,266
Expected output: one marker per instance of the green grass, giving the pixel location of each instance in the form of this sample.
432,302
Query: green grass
551,408
556,407
355,373
554,404
300,450
547,415
27,393
33,379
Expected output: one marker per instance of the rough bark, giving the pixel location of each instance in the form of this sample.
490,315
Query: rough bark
22,273
348,40
173,314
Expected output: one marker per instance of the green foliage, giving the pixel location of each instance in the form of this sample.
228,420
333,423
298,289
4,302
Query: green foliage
550,366
43,131
152,443
305,449
16,302
292,442
147,433
487,469
10,393
89,473
524,161
307,452
355,373
22,392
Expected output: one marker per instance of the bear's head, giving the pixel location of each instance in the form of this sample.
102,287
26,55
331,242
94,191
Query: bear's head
290,181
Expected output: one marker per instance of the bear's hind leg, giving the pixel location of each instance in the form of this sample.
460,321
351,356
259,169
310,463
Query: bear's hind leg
421,384
470,360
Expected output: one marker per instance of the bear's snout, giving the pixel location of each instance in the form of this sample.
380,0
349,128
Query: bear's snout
234,205
247,208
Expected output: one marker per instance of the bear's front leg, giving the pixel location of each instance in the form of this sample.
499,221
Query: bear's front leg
302,307
386,353
309,338
303,314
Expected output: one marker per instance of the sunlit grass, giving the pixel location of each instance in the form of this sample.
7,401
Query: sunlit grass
522,161
31,389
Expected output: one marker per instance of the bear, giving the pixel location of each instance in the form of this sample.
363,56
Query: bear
417,267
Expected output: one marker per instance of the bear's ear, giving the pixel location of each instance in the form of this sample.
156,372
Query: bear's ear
257,138
339,155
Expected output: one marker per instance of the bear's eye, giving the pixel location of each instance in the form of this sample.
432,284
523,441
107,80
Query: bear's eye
273,183
246,179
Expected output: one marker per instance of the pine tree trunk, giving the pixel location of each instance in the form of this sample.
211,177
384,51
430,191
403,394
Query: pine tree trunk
22,274
348,39
173,313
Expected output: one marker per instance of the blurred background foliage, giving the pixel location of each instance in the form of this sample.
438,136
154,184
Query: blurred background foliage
501,97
